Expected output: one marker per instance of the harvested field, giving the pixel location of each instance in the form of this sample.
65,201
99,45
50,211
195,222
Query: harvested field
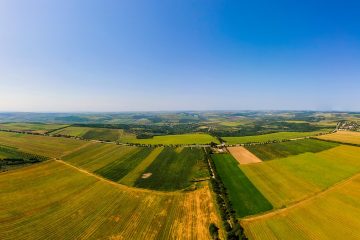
332,215
343,136
56,201
243,156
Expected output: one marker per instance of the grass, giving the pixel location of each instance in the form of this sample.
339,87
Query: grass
244,196
291,179
53,201
105,134
173,169
270,137
31,127
40,145
285,149
343,136
184,139
333,215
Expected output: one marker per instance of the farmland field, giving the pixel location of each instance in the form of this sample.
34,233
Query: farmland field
270,137
343,136
51,200
173,169
332,215
285,149
291,179
194,138
31,127
40,145
105,134
168,168
244,196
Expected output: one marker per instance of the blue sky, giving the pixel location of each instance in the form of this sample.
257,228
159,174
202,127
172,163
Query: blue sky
179,55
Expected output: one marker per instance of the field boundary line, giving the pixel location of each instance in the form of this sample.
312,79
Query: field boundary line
118,185
301,202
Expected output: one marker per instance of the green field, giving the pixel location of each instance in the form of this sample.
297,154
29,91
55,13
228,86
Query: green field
333,215
193,138
31,127
291,179
173,169
119,168
270,137
170,168
56,201
40,145
105,134
244,196
285,149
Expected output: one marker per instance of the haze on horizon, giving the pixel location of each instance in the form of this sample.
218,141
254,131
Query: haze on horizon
77,55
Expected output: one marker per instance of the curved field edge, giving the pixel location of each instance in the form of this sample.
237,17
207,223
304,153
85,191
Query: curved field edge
57,201
331,215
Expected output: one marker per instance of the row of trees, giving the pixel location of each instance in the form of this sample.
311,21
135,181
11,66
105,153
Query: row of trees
231,225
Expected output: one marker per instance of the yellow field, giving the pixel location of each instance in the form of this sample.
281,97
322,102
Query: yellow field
52,200
41,145
343,136
331,215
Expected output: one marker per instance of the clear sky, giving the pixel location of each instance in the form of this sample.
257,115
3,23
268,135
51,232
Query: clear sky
121,55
